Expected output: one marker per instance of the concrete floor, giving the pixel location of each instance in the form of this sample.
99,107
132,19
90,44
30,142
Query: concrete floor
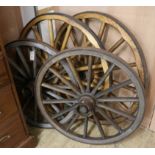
50,138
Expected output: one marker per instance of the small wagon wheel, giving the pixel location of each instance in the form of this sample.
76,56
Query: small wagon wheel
25,59
68,40
94,102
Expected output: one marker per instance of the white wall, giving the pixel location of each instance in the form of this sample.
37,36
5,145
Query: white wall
27,14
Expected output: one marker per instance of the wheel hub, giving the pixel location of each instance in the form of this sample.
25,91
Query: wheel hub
29,89
86,104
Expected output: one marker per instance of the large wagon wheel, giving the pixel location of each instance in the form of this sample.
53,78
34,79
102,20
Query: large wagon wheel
69,39
25,59
116,38
92,102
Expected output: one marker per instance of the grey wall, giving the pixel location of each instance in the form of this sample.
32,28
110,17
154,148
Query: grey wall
27,14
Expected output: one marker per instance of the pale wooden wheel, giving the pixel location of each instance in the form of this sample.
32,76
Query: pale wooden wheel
115,38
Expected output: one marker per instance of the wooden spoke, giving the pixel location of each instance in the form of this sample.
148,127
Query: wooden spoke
85,68
17,68
116,45
52,94
76,75
23,60
85,127
64,43
89,73
62,86
83,40
68,67
101,30
64,111
53,101
121,103
133,64
55,108
99,66
105,34
63,91
118,99
51,32
72,122
103,79
60,101
119,112
113,87
130,64
104,115
36,33
130,88
74,39
70,85
98,125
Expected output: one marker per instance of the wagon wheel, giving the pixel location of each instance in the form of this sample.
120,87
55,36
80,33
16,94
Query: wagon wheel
116,38
25,61
125,42
94,102
74,28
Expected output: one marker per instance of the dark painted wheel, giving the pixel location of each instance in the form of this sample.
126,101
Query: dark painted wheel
90,104
25,58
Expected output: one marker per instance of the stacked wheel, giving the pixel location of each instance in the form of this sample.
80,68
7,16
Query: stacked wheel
84,75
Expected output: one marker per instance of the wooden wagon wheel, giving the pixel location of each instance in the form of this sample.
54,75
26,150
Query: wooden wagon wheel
25,59
68,40
119,42
125,42
91,102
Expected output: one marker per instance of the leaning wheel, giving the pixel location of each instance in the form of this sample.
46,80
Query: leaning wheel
91,104
115,38
75,29
25,60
